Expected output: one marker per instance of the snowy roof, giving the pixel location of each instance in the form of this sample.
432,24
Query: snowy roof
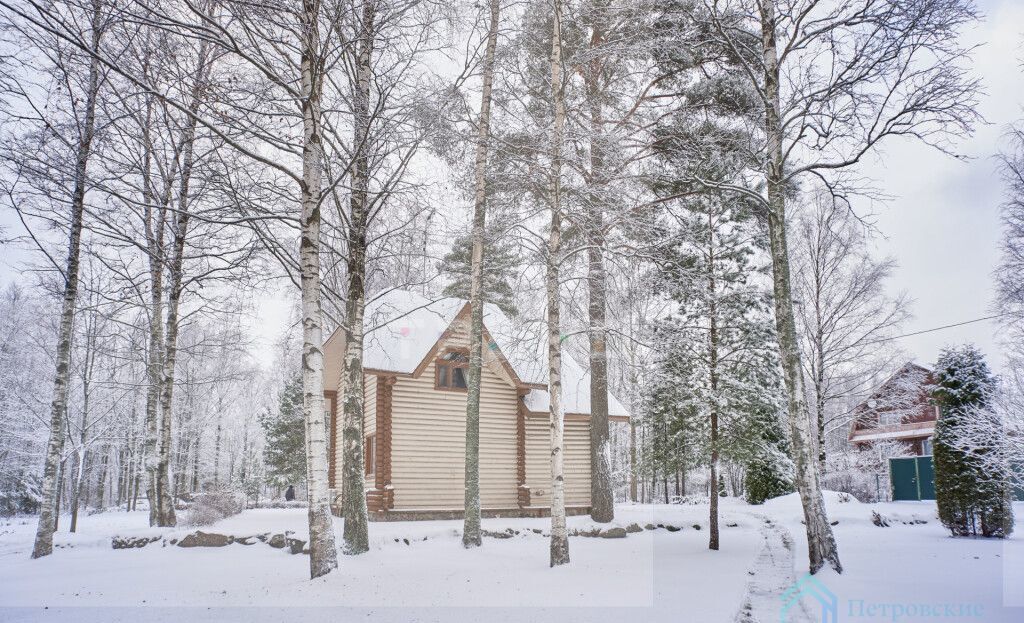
402,328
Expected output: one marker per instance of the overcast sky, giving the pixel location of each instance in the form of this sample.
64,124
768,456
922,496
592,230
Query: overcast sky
941,224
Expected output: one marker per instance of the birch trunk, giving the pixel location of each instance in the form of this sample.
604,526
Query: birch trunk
821,544
559,533
602,504
43,545
155,225
471,525
165,489
356,531
323,555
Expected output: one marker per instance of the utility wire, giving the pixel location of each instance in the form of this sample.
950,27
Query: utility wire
948,326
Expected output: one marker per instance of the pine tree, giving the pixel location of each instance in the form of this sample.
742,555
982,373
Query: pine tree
972,496
499,258
284,452
769,470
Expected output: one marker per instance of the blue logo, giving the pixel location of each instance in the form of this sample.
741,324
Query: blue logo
808,586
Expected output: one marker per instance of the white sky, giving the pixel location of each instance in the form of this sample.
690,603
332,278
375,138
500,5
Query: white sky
941,225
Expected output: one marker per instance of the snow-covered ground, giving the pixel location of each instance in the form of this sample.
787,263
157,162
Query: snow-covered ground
652,575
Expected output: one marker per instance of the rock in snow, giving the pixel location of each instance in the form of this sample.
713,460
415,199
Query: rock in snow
205,539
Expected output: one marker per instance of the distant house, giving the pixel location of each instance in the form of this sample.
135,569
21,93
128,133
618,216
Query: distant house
900,410
415,360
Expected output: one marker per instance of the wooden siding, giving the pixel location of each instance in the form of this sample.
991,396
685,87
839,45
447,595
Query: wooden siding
577,461
370,405
429,442
369,426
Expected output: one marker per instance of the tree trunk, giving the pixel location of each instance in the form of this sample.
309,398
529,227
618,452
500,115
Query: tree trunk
165,496
101,482
77,470
821,544
154,367
217,441
353,503
323,555
559,533
819,398
602,504
713,378
632,461
43,545
471,523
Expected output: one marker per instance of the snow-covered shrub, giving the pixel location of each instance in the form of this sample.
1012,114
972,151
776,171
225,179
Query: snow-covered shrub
769,474
280,504
212,506
20,493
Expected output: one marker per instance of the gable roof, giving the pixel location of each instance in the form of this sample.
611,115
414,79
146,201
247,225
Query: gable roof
403,329
917,375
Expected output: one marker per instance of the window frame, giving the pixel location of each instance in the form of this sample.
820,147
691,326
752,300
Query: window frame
370,455
449,366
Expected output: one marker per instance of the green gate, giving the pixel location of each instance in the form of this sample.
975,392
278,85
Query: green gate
912,478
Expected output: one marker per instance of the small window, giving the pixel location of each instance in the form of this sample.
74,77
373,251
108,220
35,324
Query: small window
451,371
369,454
459,378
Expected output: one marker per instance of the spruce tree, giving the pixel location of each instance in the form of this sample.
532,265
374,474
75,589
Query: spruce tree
972,495
500,259
284,453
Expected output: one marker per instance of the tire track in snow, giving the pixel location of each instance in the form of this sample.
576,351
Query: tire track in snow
772,575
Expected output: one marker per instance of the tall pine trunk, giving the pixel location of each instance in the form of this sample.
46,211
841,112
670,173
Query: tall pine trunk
471,523
713,535
559,533
602,504
356,533
821,543
43,545
323,555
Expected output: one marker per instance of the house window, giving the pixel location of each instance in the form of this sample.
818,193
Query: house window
369,453
450,371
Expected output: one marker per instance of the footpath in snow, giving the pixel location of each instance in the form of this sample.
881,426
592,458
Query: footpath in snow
419,570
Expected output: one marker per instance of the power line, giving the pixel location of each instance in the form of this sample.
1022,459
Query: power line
948,326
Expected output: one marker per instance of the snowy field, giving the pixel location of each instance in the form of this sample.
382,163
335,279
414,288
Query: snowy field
653,575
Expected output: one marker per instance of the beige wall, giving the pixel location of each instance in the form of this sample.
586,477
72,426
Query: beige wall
429,437
576,466
429,442
369,424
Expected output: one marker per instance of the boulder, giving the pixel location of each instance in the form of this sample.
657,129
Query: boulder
131,542
277,541
204,539
672,528
496,535
633,527
296,546
613,533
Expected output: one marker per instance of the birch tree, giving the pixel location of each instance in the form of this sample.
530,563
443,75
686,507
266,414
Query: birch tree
471,527
77,80
559,532
843,311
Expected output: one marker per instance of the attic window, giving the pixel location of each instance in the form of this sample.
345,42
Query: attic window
450,371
